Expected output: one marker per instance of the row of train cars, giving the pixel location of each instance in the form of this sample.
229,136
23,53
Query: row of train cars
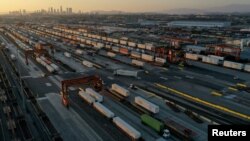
164,127
218,60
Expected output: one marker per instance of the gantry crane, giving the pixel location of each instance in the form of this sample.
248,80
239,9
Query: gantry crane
38,51
94,81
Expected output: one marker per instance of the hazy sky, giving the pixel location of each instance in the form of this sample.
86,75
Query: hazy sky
123,5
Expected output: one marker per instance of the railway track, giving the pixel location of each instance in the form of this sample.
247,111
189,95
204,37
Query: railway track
210,113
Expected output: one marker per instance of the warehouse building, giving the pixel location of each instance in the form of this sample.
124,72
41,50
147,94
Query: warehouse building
205,24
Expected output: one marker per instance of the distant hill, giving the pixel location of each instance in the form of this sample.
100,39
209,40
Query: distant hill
113,12
233,8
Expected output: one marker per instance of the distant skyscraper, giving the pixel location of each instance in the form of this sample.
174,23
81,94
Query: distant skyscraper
70,11
61,10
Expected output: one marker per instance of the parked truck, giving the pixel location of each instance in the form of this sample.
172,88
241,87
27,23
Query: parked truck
156,125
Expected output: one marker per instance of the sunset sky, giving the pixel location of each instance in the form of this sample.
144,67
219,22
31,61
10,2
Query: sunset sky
122,5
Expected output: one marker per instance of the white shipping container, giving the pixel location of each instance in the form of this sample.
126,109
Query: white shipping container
135,54
247,68
138,63
149,46
192,56
111,54
67,54
79,51
87,63
104,38
12,57
108,46
123,42
147,57
55,67
160,60
126,73
227,50
210,60
116,41
109,39
99,45
115,49
142,46
233,65
217,57
147,105
49,68
132,44
94,94
104,110
86,97
132,132
120,90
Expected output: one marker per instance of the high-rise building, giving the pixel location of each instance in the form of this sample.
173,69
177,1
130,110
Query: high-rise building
70,11
61,10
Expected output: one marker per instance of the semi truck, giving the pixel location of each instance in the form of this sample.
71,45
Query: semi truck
156,125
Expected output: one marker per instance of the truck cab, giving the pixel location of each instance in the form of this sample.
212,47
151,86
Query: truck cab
166,133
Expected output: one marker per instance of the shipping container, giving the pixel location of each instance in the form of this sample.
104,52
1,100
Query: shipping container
123,42
147,57
233,65
141,46
55,66
87,64
135,54
210,60
67,54
12,57
124,51
128,129
94,94
79,51
147,105
217,57
108,46
149,46
104,38
115,49
115,41
138,63
86,97
49,68
126,73
111,54
155,124
192,56
103,110
132,44
120,90
160,60
247,68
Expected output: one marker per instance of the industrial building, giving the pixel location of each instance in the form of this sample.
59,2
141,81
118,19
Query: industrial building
205,24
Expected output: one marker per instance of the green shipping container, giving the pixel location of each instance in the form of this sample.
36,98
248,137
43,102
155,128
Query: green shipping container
151,122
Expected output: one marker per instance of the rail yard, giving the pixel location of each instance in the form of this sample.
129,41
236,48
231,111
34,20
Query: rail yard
99,80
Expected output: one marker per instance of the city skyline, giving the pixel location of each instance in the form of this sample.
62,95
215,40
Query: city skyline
119,5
